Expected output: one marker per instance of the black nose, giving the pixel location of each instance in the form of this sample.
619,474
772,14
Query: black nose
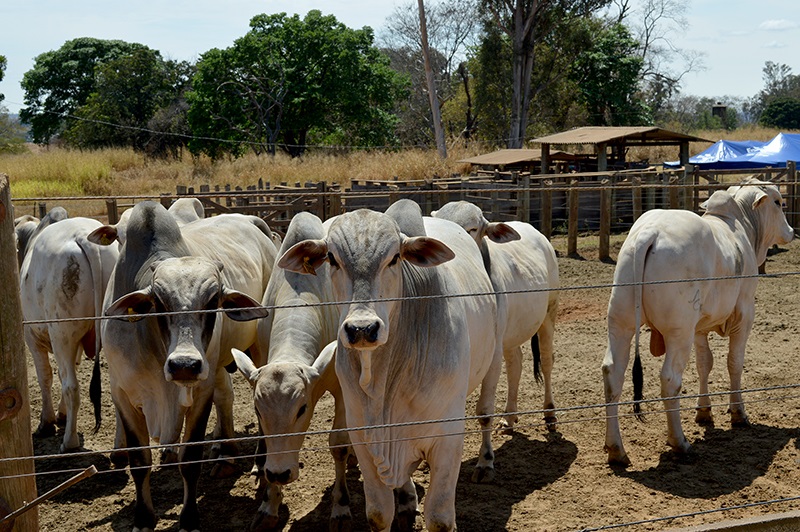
358,333
184,368
279,478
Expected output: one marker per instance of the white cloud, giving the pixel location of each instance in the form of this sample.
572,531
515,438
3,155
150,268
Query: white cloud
777,25
775,44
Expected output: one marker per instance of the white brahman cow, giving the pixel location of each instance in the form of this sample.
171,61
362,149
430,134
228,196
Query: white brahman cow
63,275
517,257
296,374
165,370
729,241
409,360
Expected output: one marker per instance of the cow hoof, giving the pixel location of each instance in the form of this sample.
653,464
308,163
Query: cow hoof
45,430
341,523
704,417
263,522
617,457
224,469
61,419
739,420
71,449
352,460
550,423
119,459
483,475
682,449
405,521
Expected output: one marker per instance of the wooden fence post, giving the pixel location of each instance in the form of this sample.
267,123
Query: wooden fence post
42,209
793,202
673,192
526,198
113,213
546,208
572,222
636,194
605,218
15,413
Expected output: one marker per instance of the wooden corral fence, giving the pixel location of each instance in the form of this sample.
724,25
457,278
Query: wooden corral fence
568,203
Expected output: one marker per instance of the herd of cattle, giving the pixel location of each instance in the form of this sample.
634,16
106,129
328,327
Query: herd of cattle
426,311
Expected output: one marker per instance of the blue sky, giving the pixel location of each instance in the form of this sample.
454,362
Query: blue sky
737,36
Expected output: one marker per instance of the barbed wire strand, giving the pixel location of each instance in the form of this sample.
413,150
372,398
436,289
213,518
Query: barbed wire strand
322,432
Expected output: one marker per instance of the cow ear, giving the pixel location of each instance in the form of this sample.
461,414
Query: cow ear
324,361
242,307
761,196
304,257
133,306
425,251
501,233
103,236
246,366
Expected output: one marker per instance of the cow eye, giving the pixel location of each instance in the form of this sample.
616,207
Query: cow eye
301,411
395,259
332,261
212,303
778,203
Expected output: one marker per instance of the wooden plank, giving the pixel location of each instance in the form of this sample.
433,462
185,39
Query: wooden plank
15,413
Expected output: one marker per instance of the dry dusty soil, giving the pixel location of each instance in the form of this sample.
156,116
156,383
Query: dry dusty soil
545,481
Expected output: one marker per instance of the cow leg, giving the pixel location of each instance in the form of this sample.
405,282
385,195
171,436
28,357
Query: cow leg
440,504
119,456
546,334
223,401
66,355
379,498
614,365
513,359
406,503
736,348
44,374
705,361
484,469
196,422
341,519
677,356
136,435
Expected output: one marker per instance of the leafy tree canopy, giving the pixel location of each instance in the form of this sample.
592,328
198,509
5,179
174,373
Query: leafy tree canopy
292,81
62,80
782,113
3,64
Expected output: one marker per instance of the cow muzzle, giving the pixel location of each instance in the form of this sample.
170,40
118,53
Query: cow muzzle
362,334
186,370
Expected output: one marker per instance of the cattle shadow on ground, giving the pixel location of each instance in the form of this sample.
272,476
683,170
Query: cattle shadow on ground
721,462
317,519
514,459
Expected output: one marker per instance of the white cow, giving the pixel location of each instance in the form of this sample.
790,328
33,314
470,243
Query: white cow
286,389
517,257
164,371
64,276
24,227
187,210
408,360
730,239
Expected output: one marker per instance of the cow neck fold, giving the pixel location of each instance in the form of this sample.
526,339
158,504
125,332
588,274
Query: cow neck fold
750,222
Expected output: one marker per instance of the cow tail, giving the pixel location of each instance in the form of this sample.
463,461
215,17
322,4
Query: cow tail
537,358
92,253
642,245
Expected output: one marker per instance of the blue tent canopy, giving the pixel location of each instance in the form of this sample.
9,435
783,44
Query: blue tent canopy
728,154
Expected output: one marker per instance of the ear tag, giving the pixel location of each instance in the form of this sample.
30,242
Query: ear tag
132,315
307,267
105,241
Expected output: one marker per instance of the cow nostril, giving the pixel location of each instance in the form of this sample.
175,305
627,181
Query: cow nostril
279,478
351,332
371,331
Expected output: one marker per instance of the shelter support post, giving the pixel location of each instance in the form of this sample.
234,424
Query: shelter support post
19,482
636,194
545,169
793,201
602,157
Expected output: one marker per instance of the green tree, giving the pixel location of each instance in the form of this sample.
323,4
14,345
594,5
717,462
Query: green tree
292,81
129,91
62,80
607,74
3,64
782,113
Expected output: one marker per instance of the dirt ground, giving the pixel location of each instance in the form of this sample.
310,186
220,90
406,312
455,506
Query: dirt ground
545,482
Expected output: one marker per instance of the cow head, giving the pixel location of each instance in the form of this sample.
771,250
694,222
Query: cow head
187,284
285,395
470,217
365,250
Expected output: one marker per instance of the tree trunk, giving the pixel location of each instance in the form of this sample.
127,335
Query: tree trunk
436,113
